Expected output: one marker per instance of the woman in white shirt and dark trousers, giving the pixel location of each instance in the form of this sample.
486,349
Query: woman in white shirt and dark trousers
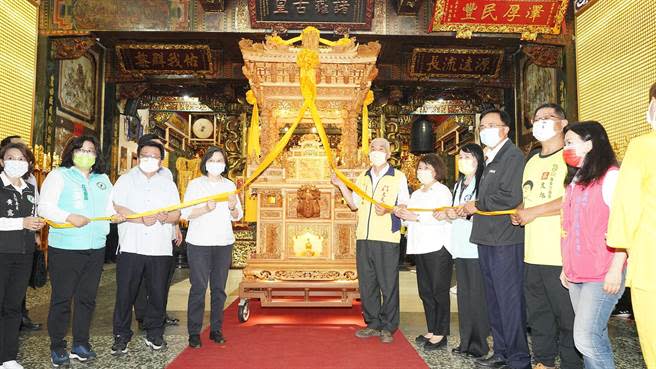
429,239
209,244
472,312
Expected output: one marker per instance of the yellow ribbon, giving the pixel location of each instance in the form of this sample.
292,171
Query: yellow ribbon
307,60
253,142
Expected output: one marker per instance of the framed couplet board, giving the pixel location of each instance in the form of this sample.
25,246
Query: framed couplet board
456,63
322,14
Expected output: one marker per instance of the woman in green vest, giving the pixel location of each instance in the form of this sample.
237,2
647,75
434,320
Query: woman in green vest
73,193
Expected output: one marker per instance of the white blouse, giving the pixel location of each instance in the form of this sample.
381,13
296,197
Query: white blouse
213,228
428,234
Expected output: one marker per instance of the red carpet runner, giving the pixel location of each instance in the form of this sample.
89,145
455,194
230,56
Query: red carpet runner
297,338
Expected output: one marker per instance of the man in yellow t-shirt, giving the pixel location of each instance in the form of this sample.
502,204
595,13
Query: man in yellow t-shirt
632,225
550,313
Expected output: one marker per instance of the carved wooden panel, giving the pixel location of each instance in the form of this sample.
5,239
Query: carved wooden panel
270,241
271,199
344,241
271,214
345,215
292,205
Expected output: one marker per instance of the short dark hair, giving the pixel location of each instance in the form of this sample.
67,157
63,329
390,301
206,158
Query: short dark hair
436,162
208,154
150,144
598,160
7,140
148,137
505,117
652,91
76,143
560,112
26,153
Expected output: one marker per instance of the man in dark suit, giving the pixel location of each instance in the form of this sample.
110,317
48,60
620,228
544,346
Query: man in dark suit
500,244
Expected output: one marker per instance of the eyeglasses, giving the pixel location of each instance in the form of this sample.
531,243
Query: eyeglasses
85,151
150,157
491,126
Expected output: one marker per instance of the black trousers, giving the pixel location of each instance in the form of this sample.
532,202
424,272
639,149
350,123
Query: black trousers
15,270
377,263
141,303
472,309
207,264
130,269
434,271
74,276
502,268
551,317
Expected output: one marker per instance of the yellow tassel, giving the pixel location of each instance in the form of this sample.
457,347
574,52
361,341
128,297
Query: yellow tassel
253,142
365,121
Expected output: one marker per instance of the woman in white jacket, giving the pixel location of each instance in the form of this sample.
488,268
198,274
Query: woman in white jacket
209,244
429,239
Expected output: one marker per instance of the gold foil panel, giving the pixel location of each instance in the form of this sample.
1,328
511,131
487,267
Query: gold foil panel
615,66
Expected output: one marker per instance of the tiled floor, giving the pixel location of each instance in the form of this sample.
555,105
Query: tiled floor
34,353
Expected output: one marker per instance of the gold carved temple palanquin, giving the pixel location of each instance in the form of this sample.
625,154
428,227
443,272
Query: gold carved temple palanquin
305,253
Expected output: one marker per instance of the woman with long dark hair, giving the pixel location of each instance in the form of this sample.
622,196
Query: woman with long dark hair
209,244
472,313
18,224
73,193
593,271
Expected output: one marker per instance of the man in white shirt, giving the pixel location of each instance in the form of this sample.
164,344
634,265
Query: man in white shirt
377,245
145,245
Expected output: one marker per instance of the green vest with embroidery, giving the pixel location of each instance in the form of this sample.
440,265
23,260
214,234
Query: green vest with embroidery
86,197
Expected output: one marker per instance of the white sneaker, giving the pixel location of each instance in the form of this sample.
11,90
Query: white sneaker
454,290
11,365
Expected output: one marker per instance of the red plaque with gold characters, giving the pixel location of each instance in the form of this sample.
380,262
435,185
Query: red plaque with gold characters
527,17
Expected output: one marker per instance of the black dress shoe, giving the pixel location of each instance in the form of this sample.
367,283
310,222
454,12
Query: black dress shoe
492,362
194,341
171,320
28,325
217,337
429,346
457,351
421,340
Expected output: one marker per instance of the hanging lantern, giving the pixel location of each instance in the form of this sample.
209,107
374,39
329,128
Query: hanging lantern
422,138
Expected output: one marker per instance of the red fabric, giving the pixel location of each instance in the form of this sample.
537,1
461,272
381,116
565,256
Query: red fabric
298,338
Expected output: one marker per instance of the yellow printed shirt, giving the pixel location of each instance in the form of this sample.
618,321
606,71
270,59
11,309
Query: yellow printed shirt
543,182
632,222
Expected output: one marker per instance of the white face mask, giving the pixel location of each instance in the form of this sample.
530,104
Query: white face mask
149,165
651,113
466,166
490,137
214,168
425,176
543,129
377,158
15,168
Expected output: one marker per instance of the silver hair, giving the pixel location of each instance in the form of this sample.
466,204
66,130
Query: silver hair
383,142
